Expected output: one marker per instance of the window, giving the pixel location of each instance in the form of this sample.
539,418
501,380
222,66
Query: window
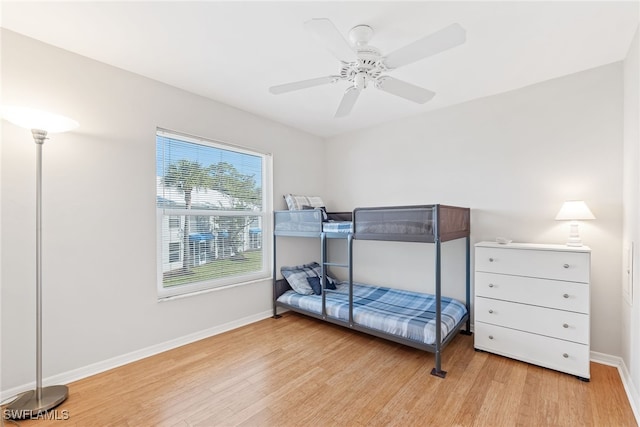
175,252
211,201
174,222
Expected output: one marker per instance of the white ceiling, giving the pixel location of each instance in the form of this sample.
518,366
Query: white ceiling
234,51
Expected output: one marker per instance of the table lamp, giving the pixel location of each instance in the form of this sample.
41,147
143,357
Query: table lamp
574,211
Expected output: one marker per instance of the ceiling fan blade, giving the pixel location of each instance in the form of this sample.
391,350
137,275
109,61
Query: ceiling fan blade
404,90
327,33
448,37
303,84
348,101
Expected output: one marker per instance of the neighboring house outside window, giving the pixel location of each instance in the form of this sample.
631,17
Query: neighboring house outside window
212,204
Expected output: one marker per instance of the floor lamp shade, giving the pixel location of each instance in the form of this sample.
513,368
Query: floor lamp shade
574,211
34,402
29,118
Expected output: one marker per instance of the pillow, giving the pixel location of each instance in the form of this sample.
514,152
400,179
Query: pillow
296,203
314,282
331,282
297,277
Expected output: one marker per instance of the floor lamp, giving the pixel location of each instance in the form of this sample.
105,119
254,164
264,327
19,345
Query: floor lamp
41,123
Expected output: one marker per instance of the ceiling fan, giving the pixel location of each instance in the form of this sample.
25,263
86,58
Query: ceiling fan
362,63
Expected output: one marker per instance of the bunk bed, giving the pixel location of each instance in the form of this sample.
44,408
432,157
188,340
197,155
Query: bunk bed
405,317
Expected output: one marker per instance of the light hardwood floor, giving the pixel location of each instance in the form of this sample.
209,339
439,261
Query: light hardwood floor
297,371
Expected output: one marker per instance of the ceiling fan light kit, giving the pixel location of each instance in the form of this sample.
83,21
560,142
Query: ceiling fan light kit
362,63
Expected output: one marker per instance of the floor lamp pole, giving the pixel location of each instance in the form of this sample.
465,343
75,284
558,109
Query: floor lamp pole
41,399
39,137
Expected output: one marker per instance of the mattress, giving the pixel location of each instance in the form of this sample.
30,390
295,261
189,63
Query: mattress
410,315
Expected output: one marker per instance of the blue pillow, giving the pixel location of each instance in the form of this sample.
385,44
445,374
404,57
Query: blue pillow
314,282
297,277
331,283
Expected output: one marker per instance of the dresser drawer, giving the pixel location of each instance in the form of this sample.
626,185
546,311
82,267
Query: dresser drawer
546,264
558,294
560,324
551,353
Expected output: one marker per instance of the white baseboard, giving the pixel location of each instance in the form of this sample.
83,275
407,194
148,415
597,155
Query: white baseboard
629,388
96,368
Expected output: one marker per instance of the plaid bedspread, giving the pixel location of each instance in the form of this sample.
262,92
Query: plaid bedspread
403,313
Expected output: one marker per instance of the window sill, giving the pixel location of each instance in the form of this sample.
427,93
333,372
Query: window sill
216,289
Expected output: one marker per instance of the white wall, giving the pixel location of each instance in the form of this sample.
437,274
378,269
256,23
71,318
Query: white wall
513,159
631,228
99,225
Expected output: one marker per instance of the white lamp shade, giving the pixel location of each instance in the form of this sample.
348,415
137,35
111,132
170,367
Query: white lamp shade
574,210
35,119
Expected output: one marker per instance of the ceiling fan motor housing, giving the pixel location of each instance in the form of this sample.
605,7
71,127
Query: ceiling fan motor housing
368,65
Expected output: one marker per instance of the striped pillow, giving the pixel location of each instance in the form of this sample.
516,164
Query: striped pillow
296,203
297,277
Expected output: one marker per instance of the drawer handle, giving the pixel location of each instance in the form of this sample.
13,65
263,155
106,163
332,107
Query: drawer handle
490,337
490,311
564,325
491,260
565,355
565,296
491,285
566,266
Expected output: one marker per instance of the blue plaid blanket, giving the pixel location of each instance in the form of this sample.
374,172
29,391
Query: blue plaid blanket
403,313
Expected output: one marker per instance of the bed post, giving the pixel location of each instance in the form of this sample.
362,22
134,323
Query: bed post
350,261
323,271
468,284
437,370
275,295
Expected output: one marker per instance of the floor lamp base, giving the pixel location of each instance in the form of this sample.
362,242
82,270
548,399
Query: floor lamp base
29,406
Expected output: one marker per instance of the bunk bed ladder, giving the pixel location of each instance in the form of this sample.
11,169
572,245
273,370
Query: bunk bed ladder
324,262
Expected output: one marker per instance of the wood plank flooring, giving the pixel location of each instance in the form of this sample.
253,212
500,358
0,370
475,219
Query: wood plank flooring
297,371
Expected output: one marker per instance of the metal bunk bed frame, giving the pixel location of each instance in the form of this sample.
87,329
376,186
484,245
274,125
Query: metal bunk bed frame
438,236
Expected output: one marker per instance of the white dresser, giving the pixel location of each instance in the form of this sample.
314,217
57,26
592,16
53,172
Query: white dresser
532,304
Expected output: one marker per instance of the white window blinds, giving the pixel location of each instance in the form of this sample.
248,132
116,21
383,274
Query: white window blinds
212,213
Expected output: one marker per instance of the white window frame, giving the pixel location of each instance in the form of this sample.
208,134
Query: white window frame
266,214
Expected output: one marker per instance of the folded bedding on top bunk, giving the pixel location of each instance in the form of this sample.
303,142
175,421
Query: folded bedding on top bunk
337,227
402,313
